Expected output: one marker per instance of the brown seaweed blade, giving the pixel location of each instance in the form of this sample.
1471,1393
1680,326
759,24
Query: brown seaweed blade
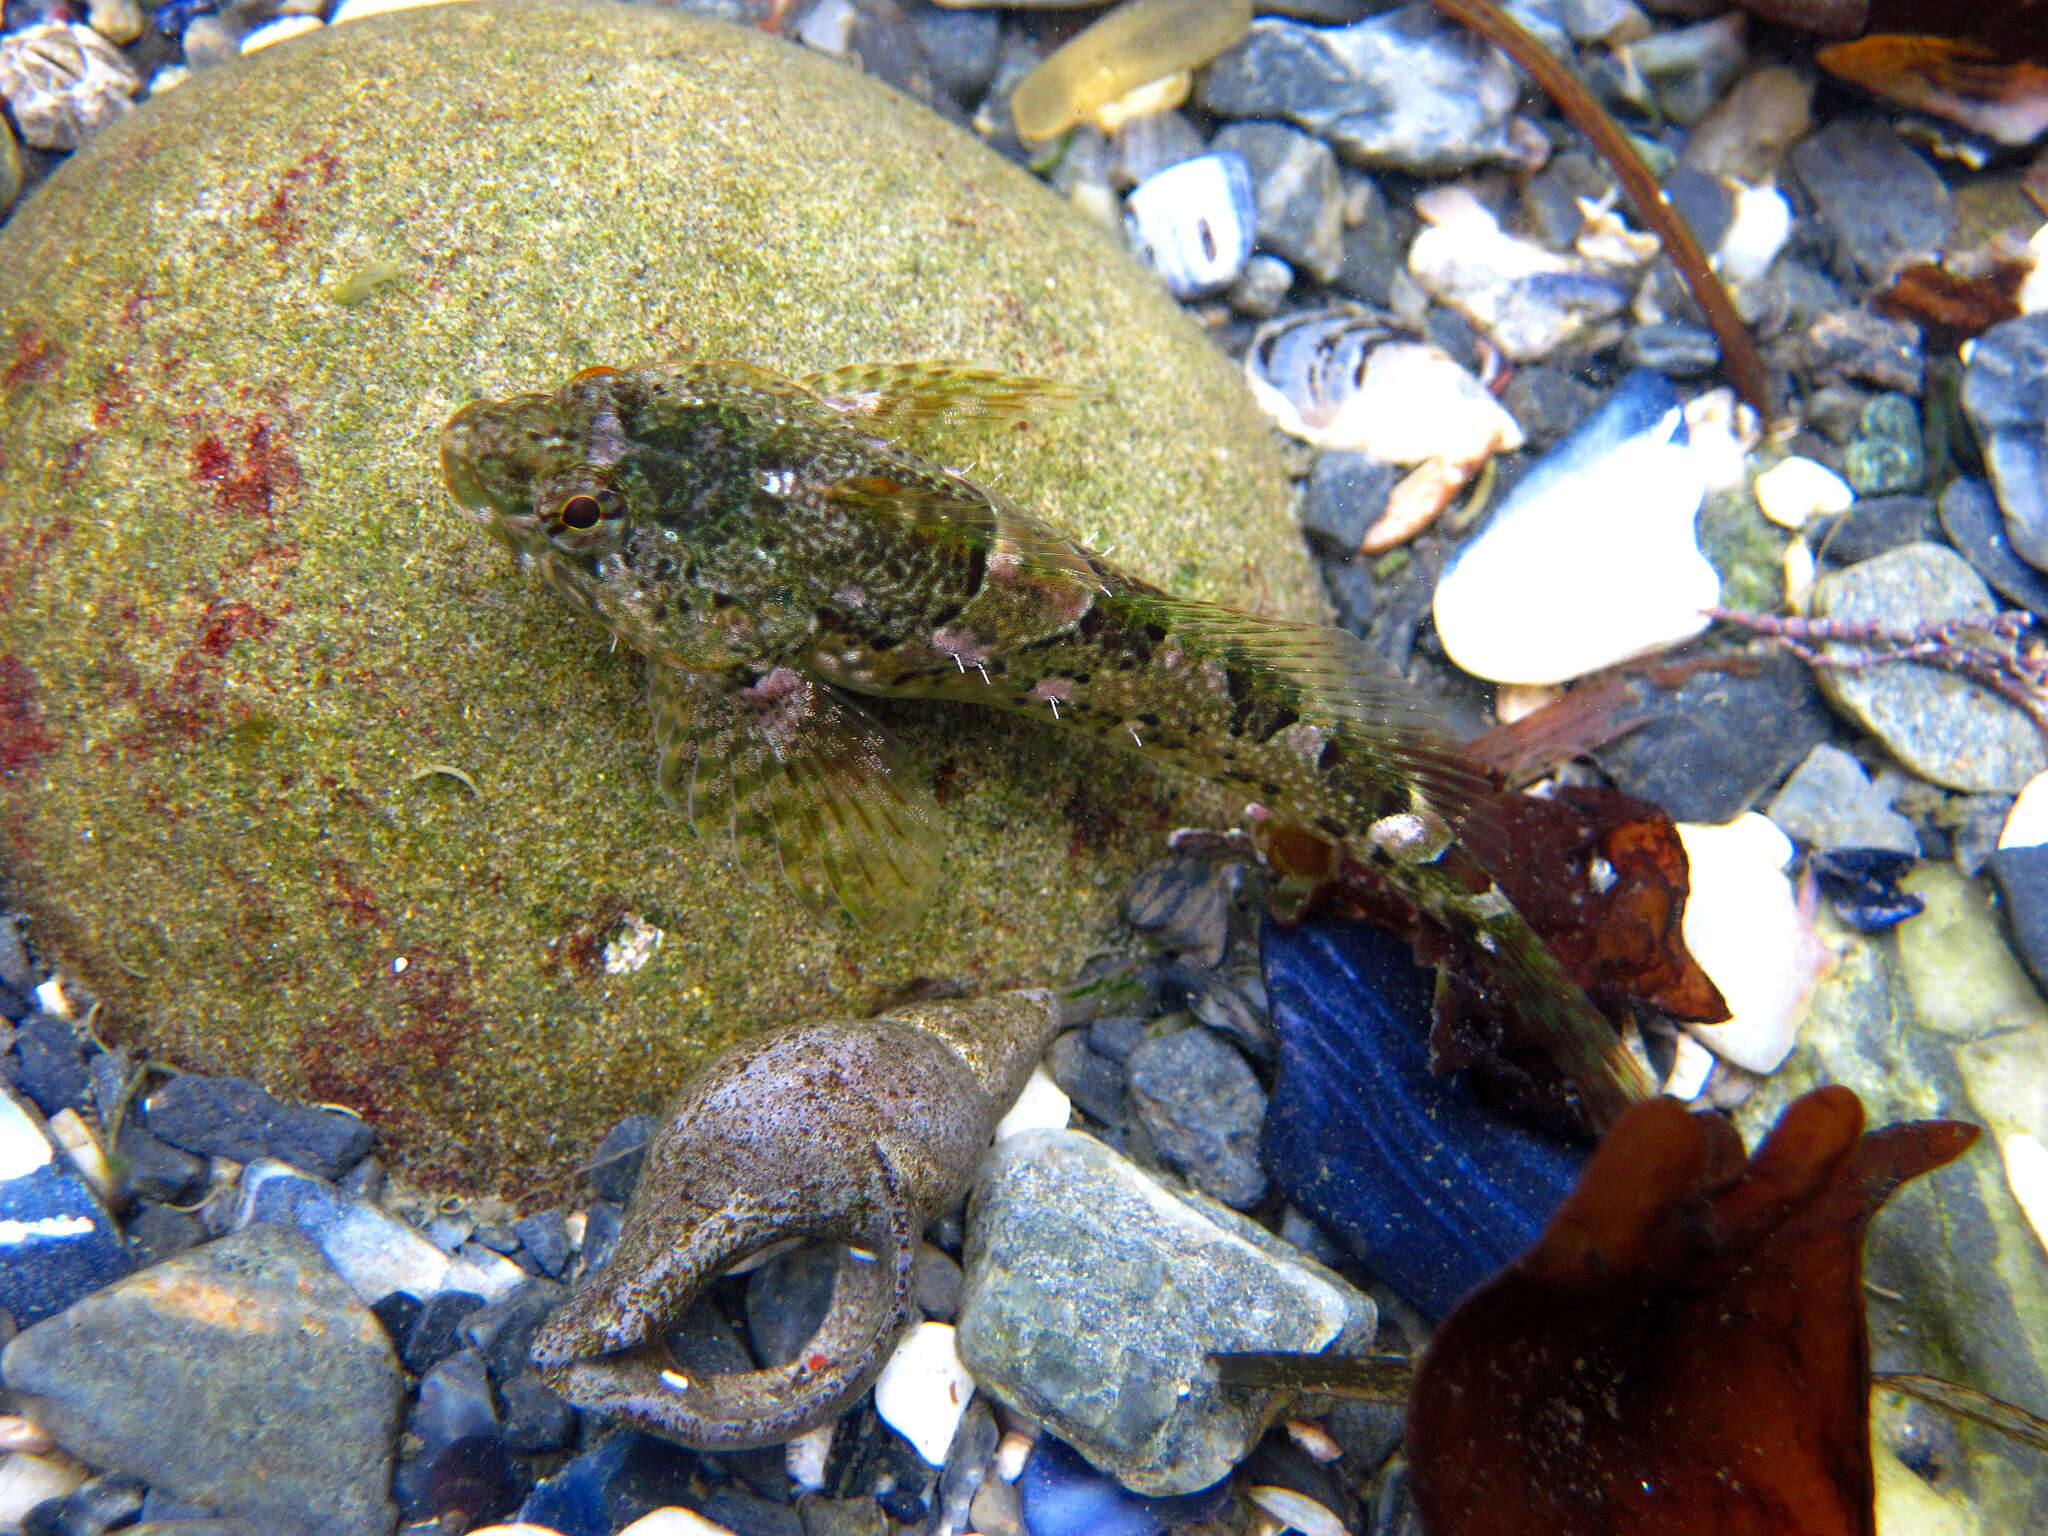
1744,363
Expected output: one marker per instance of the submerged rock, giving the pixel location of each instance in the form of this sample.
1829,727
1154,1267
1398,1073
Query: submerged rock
245,633
1094,1296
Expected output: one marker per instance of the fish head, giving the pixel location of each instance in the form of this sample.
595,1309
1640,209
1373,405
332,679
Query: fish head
610,491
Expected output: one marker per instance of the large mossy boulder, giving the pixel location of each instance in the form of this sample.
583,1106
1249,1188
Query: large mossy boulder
245,637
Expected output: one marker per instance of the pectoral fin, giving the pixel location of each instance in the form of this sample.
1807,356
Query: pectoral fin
896,397
804,786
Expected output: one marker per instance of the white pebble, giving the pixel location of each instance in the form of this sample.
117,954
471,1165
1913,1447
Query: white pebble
924,1390
1193,222
356,10
1012,1451
1297,1511
1798,489
1042,1105
279,30
23,1434
1689,1069
1721,431
1743,925
2033,296
673,1520
1518,701
70,1131
2026,1174
2026,824
25,1481
804,1457
1758,231
1800,570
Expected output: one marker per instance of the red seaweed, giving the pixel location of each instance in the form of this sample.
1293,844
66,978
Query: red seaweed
1684,1351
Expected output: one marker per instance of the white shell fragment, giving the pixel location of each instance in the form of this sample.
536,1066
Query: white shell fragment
1743,925
1591,558
64,82
1528,300
804,1457
924,1390
1340,378
1797,489
2026,824
1043,1104
1194,223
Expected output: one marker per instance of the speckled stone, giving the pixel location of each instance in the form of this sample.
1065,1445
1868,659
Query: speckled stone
1939,724
243,619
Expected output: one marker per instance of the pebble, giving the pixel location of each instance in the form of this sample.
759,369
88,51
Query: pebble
2005,395
535,1419
1528,300
1710,747
924,1390
1743,926
1755,235
1094,1295
1261,287
1874,524
1296,190
1887,457
1061,1495
503,1331
371,1249
614,1167
435,1331
1678,351
1428,1189
234,1118
1339,380
253,1331
1612,22
1939,724
1183,905
1686,69
1747,132
457,1458
1204,1108
57,1241
1548,402
1194,223
1145,146
627,1475
1829,803
674,1520
63,82
1091,1079
1856,344
50,1059
2026,824
1974,525
961,47
280,30
1406,90
1347,492
787,1298
1796,489
119,21
1882,203
1041,1105
544,1237
27,1481
1863,886
1591,558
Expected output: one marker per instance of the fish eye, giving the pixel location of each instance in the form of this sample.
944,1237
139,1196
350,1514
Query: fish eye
580,512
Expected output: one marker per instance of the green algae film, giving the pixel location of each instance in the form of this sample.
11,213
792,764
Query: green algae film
240,620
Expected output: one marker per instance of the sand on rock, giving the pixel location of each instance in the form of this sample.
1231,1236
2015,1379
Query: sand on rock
245,637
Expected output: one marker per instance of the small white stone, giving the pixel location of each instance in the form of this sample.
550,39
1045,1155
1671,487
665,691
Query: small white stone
1743,925
2026,1174
1012,1451
25,1481
1797,489
23,1146
2026,824
674,1520
1042,1104
828,27
804,1457
924,1390
24,1434
1758,231
1518,701
70,1131
1296,1511
2033,296
1193,223
1689,1069
1721,431
51,999
1800,569
279,30
356,10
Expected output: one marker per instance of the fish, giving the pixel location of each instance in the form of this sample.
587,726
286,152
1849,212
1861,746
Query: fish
779,549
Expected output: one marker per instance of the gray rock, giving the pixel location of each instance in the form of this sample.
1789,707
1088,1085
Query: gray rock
1939,724
1300,198
1088,1077
1261,287
67,1245
1407,89
64,83
1971,518
1958,1280
1887,456
1204,1108
1548,402
243,1376
1677,351
2005,395
1829,803
1094,1297
371,1249
787,1298
1145,146
1373,254
1877,197
1855,344
961,47
1347,492
234,1118
503,1332
1874,524
1688,68
209,42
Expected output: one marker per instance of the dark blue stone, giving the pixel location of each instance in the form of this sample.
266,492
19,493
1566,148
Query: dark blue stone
535,1419
462,1461
545,1237
505,1330
174,18
748,1514
2021,875
602,1222
436,1333
68,1244
1425,1186
1863,885
615,1165
1973,523
232,1117
52,1058
1064,1496
612,1486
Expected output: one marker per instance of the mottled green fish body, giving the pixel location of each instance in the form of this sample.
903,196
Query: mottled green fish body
774,549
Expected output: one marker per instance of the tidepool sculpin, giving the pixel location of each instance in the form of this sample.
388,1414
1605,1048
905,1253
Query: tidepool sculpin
773,549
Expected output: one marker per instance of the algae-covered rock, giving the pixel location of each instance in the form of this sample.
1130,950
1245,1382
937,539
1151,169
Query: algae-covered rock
298,774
